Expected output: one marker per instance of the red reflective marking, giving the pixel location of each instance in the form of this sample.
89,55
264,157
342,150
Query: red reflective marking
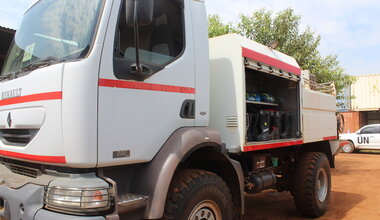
330,138
270,61
47,159
271,145
343,143
32,98
144,86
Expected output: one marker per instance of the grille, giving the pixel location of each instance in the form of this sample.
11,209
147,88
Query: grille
232,121
24,171
19,137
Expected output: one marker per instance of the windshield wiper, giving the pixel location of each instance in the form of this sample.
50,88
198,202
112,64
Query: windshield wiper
47,61
8,76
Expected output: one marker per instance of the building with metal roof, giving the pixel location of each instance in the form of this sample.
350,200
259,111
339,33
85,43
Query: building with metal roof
6,37
363,100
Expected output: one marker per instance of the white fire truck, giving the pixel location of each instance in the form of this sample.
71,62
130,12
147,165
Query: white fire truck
123,109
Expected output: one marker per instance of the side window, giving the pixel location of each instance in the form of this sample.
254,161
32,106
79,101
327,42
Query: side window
161,42
377,129
369,130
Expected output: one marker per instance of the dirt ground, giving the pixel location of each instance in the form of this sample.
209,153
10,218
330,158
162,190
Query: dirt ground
355,193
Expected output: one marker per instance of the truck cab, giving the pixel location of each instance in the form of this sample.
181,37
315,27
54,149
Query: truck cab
72,100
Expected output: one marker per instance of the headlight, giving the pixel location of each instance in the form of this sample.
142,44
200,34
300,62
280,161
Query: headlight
78,200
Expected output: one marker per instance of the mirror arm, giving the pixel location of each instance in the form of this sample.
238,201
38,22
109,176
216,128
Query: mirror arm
136,35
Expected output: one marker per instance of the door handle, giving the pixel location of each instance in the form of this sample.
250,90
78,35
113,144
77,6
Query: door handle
188,109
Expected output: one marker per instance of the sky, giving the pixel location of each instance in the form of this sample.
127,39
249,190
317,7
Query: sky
348,28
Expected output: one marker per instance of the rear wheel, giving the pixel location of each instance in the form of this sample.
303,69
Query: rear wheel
198,195
348,147
312,184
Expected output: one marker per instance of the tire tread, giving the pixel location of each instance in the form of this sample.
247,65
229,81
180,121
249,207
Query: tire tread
184,181
304,184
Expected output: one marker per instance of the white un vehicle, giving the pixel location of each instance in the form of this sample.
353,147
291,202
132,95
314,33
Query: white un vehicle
366,138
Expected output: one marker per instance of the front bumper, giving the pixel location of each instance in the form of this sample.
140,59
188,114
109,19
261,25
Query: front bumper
21,193
27,203
22,203
21,196
45,214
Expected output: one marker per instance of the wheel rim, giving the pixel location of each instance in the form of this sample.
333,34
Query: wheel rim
322,185
347,148
206,210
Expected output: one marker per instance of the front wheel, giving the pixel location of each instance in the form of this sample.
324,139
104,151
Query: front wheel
312,184
198,195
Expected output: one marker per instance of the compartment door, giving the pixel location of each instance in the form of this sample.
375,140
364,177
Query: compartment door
318,114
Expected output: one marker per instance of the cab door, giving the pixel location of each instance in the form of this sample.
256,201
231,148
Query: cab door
138,112
369,137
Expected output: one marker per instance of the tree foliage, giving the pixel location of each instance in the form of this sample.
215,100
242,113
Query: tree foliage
264,27
217,28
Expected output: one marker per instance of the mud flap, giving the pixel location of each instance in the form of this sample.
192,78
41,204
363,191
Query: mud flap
335,147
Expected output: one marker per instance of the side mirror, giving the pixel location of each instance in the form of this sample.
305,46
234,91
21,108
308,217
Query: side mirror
141,10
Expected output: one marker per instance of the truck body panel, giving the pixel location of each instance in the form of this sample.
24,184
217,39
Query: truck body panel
42,101
318,115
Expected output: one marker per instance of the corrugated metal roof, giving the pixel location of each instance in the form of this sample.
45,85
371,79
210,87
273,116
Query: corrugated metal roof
366,93
6,36
8,30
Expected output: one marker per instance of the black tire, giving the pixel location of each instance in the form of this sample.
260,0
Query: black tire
312,184
198,193
349,147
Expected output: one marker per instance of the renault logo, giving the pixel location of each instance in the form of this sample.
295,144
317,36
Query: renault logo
9,119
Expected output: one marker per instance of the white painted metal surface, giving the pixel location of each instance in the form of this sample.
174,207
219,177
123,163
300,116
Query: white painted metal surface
201,62
227,89
44,115
140,121
318,116
21,118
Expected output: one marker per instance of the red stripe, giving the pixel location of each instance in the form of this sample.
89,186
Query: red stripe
144,86
32,98
272,145
270,61
343,143
330,138
47,159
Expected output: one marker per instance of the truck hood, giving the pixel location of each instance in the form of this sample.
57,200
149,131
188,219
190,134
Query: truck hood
31,116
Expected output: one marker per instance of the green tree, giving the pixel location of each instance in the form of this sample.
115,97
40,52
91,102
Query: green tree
216,27
264,27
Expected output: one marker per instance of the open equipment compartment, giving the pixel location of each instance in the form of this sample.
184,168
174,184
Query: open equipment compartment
238,65
272,104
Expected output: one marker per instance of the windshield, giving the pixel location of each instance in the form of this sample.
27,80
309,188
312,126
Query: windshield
53,30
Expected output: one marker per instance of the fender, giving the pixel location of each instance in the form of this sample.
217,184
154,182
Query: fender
154,179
